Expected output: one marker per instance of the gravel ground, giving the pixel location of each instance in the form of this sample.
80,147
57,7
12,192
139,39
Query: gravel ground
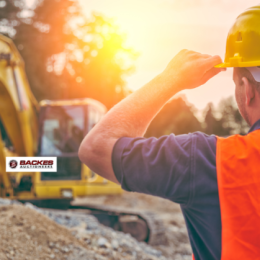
27,232
178,247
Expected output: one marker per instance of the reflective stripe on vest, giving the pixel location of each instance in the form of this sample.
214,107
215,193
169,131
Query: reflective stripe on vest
238,174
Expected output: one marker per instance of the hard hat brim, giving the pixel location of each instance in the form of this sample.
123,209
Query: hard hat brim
238,64
223,65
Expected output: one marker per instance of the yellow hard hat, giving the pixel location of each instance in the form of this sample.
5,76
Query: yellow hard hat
243,41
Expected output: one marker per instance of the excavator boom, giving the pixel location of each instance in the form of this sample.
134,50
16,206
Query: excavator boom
17,104
18,119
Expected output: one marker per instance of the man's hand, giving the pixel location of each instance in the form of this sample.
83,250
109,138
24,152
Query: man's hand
131,117
189,69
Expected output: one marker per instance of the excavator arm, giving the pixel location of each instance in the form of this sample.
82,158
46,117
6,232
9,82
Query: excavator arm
18,107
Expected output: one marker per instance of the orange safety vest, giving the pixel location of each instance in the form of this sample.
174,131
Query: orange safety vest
238,174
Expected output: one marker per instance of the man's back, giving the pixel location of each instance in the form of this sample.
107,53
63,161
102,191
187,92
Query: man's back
183,170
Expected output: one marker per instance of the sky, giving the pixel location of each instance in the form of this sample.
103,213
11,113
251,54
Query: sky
159,29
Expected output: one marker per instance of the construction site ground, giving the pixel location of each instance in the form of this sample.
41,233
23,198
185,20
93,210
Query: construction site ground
27,232
178,246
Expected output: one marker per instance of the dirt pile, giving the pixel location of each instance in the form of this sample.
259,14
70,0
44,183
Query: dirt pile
26,233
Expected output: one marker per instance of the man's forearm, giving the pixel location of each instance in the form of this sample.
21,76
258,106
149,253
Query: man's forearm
131,117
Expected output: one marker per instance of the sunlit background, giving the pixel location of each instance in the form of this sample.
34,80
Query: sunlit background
106,49
159,29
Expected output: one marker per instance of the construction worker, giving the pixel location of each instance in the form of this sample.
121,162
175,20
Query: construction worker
215,180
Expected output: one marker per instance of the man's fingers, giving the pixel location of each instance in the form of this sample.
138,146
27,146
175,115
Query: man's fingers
206,56
211,62
209,74
192,68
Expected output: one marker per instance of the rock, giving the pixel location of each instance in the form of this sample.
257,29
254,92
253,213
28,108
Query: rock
65,250
4,202
102,242
114,244
125,243
30,206
152,251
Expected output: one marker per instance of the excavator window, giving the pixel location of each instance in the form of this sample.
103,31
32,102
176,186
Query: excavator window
62,130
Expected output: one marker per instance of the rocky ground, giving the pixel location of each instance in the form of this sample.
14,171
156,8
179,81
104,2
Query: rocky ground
27,232
178,247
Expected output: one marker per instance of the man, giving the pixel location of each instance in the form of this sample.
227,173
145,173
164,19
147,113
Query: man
215,180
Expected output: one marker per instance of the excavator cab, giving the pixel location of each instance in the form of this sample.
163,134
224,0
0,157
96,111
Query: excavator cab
51,128
62,127
61,131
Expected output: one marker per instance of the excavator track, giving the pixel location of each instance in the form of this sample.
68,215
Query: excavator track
143,225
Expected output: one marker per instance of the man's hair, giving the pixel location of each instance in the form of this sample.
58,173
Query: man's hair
244,72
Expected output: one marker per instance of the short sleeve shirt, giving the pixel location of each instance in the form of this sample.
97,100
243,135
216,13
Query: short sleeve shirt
181,169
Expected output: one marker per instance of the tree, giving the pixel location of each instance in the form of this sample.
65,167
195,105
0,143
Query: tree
175,117
67,55
231,117
105,60
178,117
214,125
225,120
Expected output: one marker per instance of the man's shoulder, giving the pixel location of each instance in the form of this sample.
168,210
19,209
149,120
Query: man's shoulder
198,139
199,134
205,145
197,145
205,138
185,137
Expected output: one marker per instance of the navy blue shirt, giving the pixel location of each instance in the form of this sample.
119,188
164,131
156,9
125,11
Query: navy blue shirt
182,169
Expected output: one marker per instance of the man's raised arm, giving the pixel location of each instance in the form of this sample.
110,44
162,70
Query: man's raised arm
132,116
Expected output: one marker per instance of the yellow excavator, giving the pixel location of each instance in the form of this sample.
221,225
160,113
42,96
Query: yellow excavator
50,128
56,128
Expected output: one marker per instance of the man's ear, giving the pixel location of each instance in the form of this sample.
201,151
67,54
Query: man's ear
249,91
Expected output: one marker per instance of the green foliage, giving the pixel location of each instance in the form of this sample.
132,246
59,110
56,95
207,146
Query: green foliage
67,55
